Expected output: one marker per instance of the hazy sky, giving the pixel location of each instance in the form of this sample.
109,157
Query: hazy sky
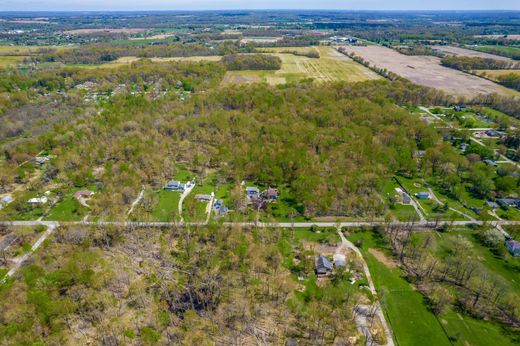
51,5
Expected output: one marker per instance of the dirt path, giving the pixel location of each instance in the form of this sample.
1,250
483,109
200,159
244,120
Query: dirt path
19,261
346,244
209,208
136,202
185,194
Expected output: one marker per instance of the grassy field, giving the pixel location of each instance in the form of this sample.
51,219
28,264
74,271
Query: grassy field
19,50
410,320
399,211
6,61
331,66
505,49
68,208
493,74
166,208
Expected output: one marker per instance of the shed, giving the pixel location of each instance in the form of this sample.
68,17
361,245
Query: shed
203,198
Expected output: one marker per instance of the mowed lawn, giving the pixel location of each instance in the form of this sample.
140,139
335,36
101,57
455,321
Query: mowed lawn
411,321
331,66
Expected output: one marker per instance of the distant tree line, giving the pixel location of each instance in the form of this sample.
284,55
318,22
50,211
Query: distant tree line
101,53
236,62
309,54
466,63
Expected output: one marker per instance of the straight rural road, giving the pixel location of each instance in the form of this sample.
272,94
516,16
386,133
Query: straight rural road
416,224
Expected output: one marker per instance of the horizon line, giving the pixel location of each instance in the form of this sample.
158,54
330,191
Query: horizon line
260,9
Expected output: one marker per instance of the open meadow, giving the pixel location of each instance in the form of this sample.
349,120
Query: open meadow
330,66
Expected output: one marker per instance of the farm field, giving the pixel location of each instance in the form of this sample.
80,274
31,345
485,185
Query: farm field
6,61
331,66
470,53
427,71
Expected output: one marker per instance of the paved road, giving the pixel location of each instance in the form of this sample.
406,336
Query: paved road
416,224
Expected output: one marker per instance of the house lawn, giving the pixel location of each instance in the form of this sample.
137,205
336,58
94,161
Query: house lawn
411,321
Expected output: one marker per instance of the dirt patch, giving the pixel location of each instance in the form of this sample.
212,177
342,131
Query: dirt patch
240,78
427,71
323,249
381,257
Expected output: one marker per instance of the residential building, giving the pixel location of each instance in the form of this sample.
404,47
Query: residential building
270,194
38,200
252,192
406,198
423,195
508,202
491,163
323,265
174,185
513,247
83,194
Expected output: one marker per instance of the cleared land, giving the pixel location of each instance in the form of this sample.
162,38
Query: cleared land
427,71
470,53
331,66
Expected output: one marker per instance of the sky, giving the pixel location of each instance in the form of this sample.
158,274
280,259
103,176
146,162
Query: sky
134,5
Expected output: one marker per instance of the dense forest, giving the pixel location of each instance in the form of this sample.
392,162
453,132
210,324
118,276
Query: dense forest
317,141
180,286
